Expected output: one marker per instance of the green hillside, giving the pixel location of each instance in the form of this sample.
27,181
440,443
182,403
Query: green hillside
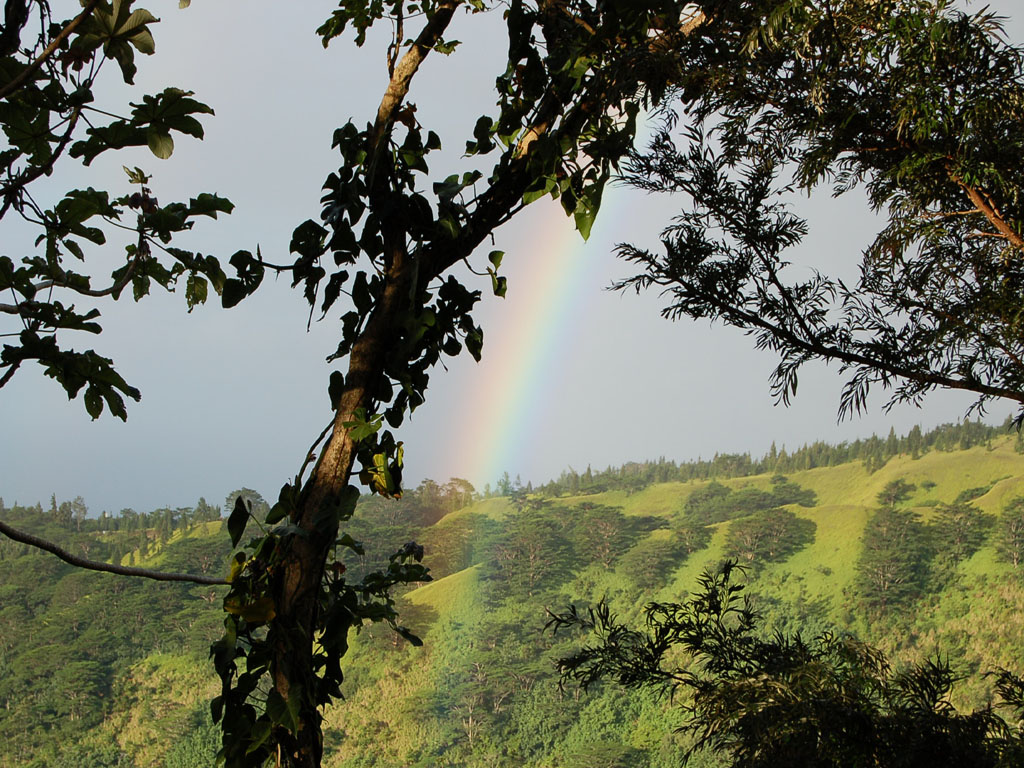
97,670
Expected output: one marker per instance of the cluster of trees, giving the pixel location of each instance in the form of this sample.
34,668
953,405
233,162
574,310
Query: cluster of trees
67,636
785,700
490,693
74,515
425,504
904,557
715,502
495,697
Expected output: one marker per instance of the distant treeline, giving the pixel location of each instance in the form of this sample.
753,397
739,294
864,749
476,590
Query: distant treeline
430,501
874,451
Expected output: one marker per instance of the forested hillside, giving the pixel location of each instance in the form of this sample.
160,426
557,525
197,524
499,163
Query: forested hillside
914,544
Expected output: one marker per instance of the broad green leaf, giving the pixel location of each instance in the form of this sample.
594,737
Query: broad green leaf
261,729
237,566
499,284
160,143
277,513
93,402
116,135
345,540
138,19
362,426
285,713
447,47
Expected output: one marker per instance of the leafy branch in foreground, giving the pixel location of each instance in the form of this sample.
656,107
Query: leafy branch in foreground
48,85
783,701
913,102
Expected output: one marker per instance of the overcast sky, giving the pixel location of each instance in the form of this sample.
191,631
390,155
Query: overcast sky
572,374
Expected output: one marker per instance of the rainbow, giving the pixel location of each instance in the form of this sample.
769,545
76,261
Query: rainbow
522,341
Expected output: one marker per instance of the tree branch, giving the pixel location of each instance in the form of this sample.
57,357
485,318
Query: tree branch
985,206
402,74
9,192
742,318
17,82
27,73
9,374
95,565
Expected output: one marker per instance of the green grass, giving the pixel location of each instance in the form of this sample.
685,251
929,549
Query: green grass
451,595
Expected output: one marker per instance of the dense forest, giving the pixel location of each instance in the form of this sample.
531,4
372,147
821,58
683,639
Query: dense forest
912,543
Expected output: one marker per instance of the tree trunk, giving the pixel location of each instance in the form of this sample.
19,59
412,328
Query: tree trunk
304,563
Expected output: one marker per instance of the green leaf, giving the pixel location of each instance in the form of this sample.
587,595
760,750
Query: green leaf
533,195
250,274
495,258
475,343
209,205
308,239
237,521
160,143
195,290
499,284
277,513
136,175
362,426
93,402
345,540
446,47
285,713
261,728
117,135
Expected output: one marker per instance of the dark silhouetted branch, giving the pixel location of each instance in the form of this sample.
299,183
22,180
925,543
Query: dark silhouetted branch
94,565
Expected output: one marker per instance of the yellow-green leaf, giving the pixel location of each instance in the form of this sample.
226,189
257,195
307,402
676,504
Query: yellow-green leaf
258,611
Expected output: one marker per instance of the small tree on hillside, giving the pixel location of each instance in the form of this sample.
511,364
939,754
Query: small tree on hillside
1010,537
893,565
767,536
895,492
960,531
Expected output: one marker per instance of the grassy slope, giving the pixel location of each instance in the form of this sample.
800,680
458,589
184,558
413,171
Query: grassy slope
382,698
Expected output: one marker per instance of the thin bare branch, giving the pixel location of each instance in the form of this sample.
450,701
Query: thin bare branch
9,373
95,565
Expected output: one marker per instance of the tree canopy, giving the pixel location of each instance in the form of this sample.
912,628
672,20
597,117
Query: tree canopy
914,103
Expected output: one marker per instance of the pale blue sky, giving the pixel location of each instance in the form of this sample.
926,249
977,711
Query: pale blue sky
234,398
